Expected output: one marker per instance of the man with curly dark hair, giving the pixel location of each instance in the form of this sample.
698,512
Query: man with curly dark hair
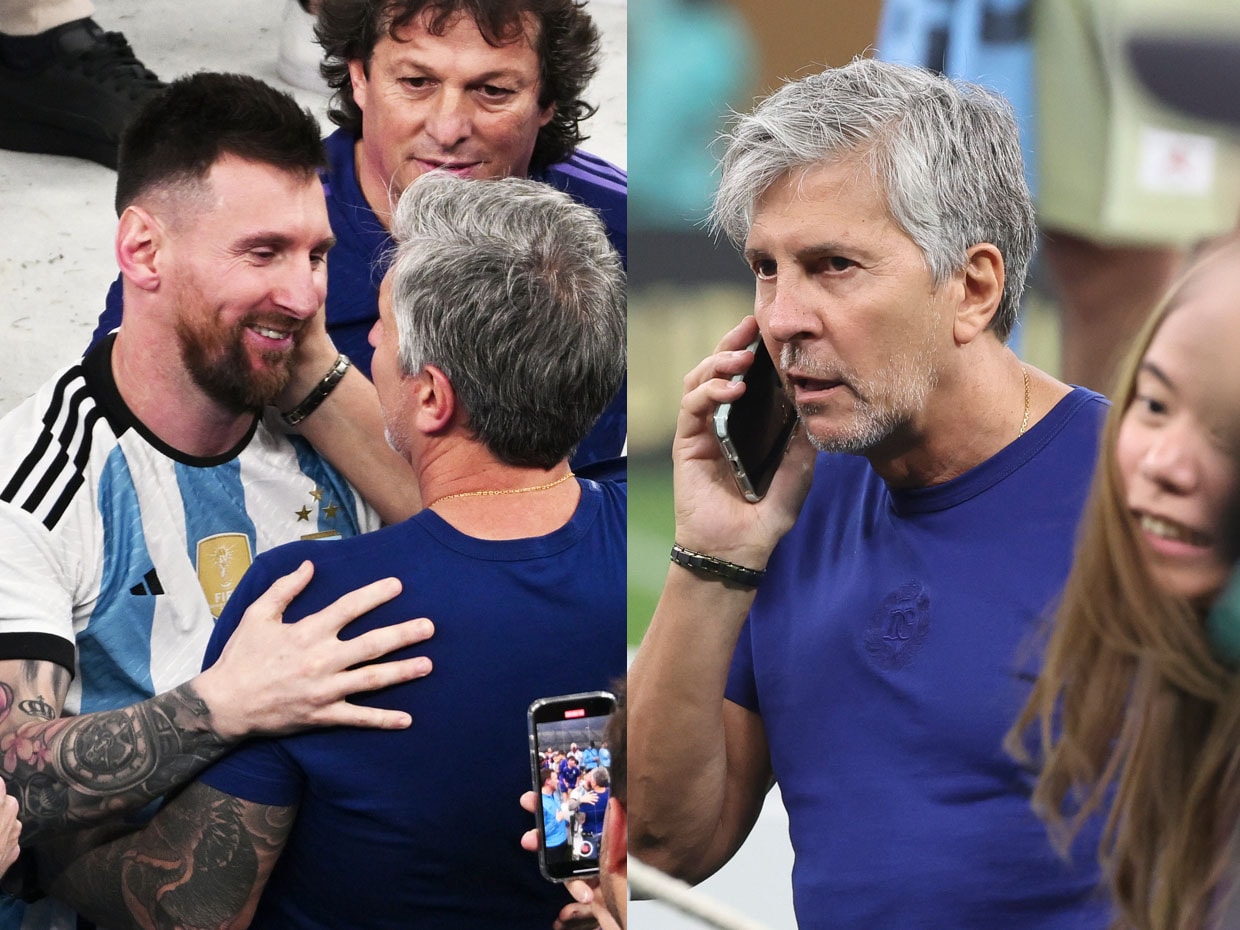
479,88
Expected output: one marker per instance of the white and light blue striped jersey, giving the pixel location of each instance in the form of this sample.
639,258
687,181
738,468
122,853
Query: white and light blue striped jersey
118,552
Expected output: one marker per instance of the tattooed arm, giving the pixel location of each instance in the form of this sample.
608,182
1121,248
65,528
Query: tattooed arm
74,771
201,863
271,678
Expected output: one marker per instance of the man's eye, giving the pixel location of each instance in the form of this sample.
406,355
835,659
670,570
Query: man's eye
763,268
263,255
415,83
839,263
495,92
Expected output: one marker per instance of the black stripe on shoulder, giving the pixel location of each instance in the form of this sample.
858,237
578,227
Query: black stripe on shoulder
79,470
45,435
63,444
43,647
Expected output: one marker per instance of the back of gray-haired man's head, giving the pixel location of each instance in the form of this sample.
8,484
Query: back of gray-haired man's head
511,289
946,153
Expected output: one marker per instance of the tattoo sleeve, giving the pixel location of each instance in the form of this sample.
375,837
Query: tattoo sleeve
72,772
201,863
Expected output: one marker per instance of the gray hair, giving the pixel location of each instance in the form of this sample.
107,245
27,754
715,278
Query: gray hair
946,152
511,289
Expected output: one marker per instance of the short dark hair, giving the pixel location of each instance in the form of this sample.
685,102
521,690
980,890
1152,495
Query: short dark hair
617,736
567,46
185,128
511,289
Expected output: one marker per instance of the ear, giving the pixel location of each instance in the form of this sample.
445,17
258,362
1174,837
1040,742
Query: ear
544,117
983,286
434,399
360,82
616,837
139,237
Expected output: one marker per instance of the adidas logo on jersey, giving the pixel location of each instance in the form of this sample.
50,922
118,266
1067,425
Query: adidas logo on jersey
148,585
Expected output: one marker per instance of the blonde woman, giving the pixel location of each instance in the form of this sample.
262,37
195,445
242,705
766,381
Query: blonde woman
1136,713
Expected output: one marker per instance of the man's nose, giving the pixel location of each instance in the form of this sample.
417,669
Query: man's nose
302,289
450,121
786,313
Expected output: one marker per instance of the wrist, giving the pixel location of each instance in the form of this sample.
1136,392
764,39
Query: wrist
318,393
229,726
313,358
749,553
713,568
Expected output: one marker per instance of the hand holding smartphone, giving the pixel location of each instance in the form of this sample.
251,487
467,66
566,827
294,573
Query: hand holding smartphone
755,429
571,795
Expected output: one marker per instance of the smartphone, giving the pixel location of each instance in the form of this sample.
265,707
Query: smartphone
755,429
573,798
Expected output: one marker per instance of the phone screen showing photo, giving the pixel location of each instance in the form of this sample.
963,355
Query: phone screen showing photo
570,759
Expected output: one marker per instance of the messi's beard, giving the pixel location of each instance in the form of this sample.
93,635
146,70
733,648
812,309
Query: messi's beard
220,364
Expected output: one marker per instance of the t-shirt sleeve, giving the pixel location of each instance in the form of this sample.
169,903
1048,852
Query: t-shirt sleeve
36,592
260,770
742,688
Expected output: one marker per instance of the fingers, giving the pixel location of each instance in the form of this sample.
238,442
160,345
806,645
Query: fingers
581,889
529,801
275,600
368,718
711,382
385,639
381,675
529,841
348,607
575,917
740,335
10,832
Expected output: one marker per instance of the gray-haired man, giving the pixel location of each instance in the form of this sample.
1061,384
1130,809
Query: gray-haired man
859,640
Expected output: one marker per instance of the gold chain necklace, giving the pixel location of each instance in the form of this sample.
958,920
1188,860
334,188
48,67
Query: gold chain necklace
537,487
1024,423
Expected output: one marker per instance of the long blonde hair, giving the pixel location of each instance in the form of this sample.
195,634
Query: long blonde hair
1137,721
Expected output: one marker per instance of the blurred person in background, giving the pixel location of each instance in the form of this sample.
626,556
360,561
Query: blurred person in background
67,87
1136,712
1124,189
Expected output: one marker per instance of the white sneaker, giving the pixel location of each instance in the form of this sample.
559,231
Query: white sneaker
299,56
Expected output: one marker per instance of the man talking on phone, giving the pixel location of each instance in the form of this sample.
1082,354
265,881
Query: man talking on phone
862,634
504,300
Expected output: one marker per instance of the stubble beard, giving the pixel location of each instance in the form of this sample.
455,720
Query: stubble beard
882,404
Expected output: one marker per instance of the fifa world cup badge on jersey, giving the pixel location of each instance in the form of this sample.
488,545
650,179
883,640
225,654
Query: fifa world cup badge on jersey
222,560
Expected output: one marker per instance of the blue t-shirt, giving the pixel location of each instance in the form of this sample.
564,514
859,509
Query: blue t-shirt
357,262
594,811
384,828
555,828
568,776
888,651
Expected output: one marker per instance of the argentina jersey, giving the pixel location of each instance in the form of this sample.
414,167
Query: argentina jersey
118,553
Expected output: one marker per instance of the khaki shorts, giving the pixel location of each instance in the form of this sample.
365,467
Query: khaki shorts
1114,165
